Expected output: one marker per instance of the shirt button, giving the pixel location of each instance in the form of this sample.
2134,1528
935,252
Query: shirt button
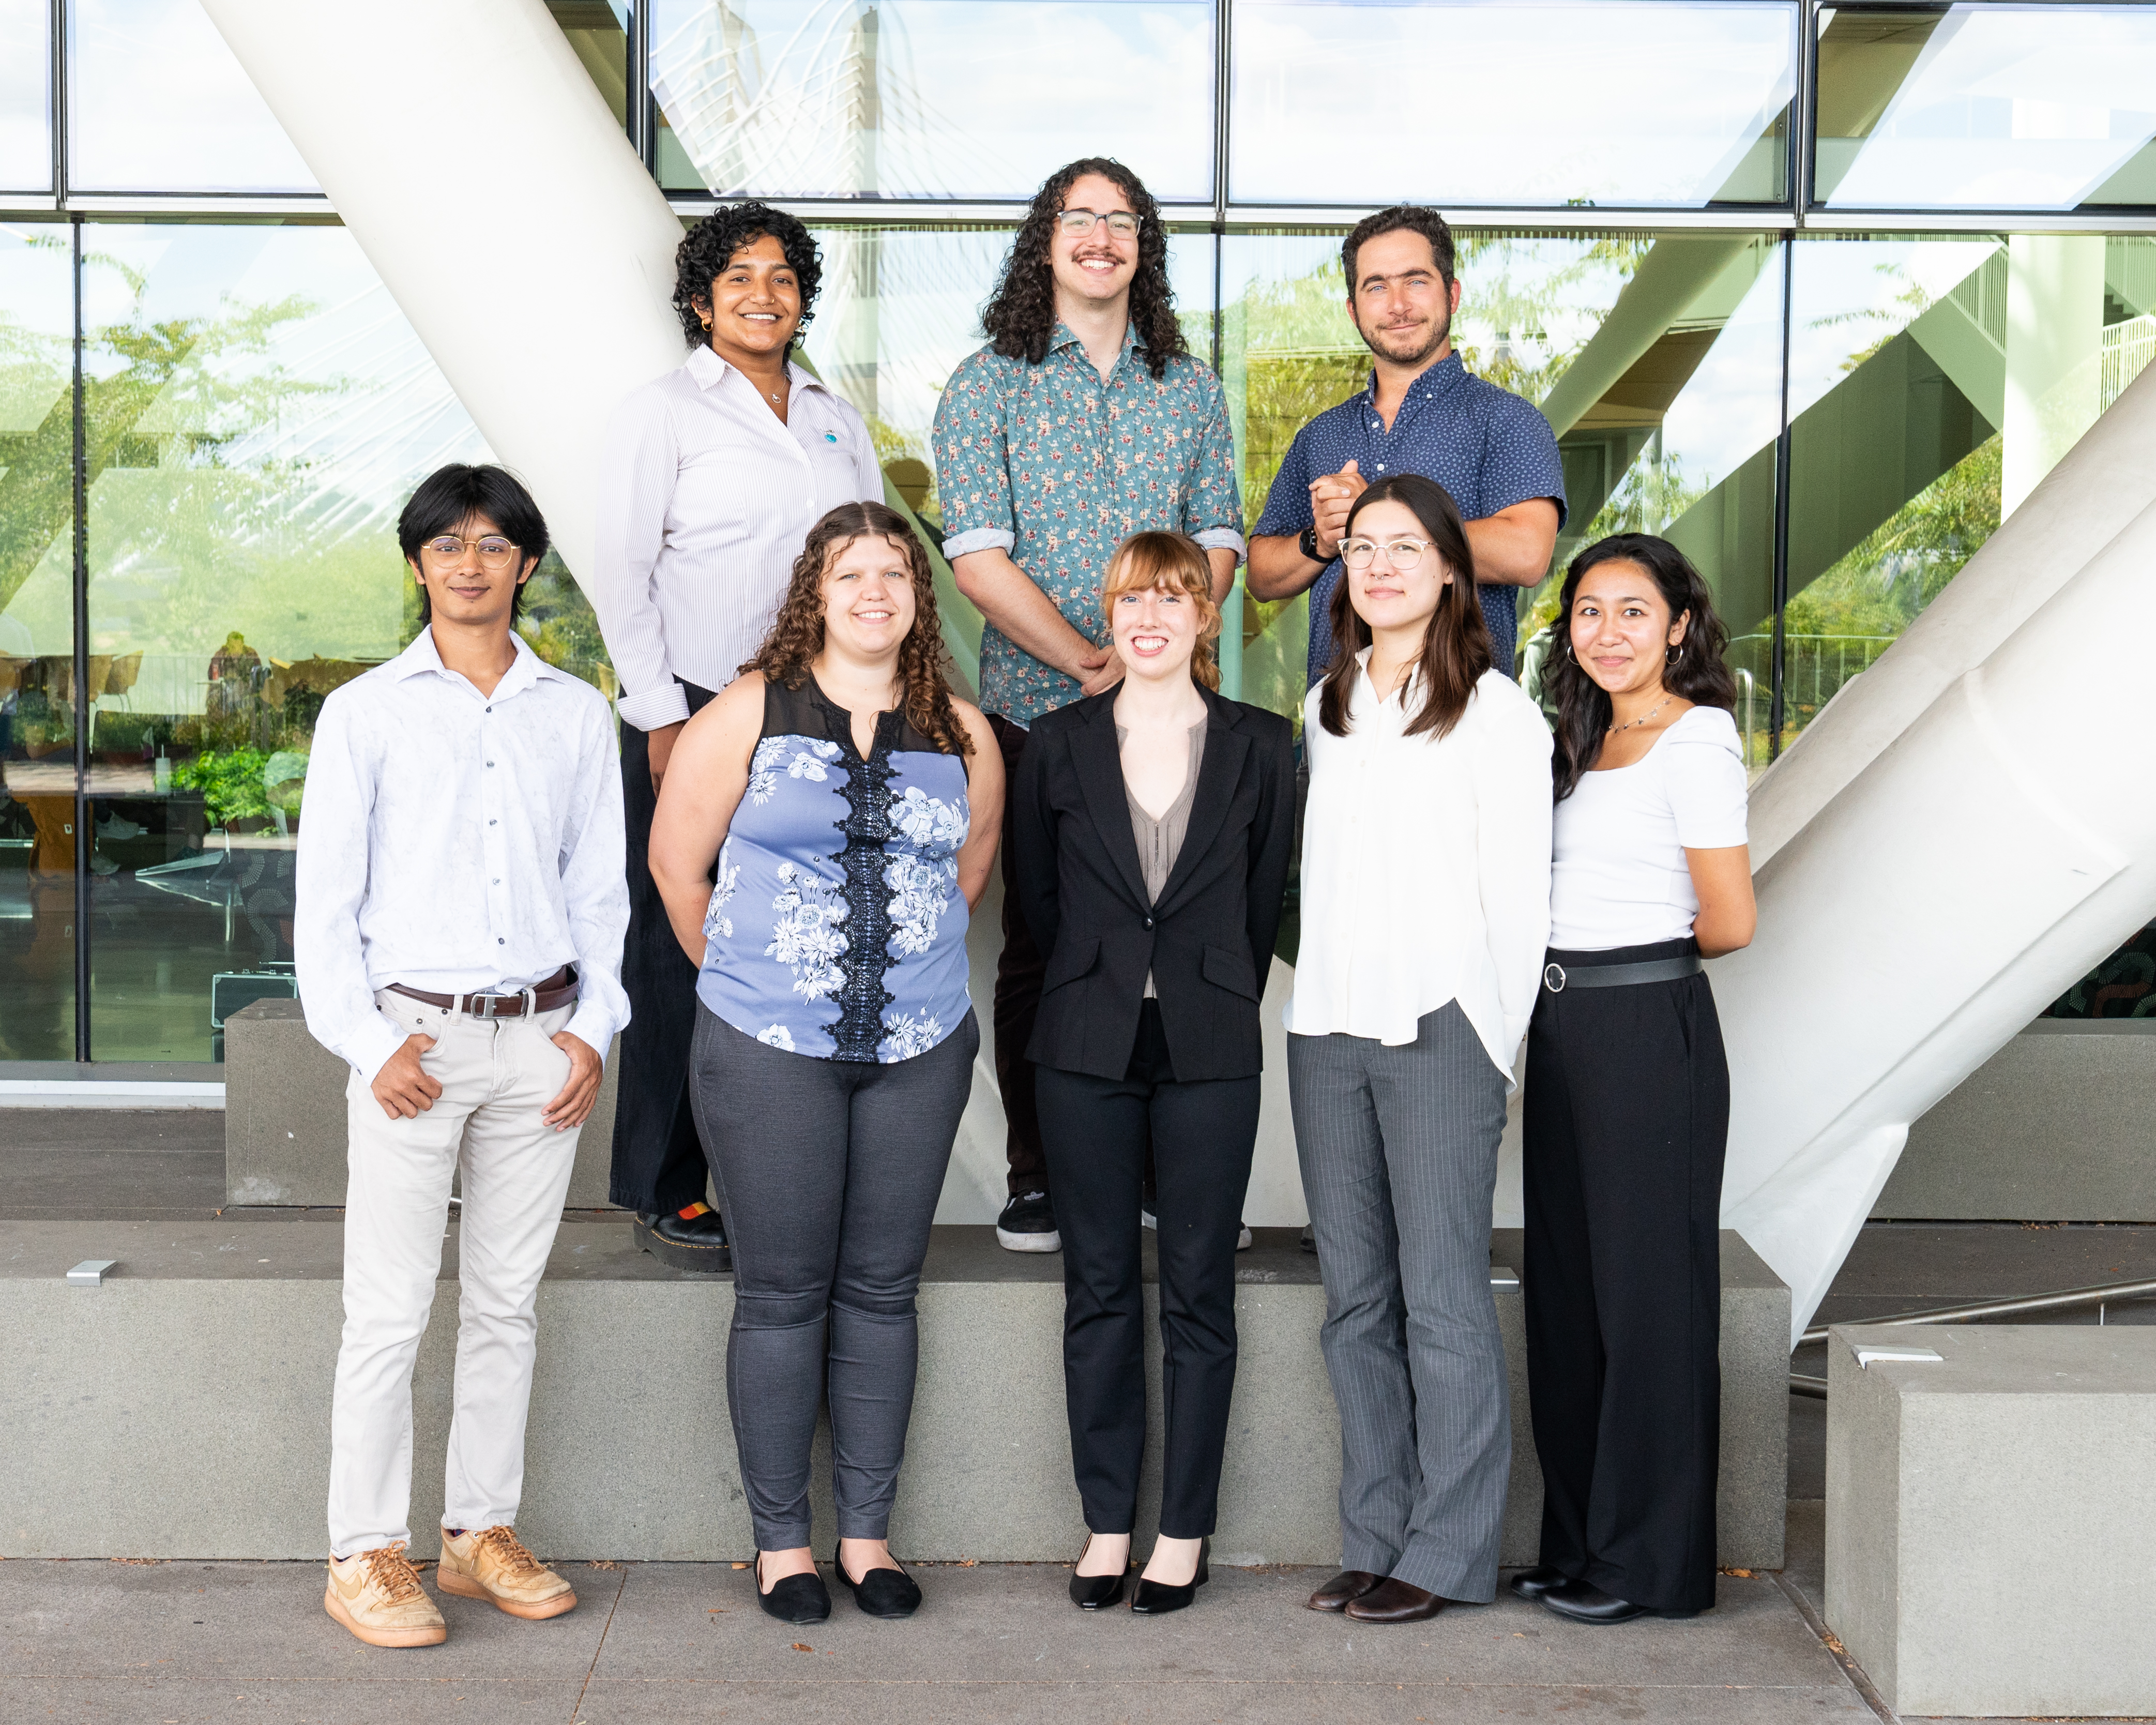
494,822
490,763
499,942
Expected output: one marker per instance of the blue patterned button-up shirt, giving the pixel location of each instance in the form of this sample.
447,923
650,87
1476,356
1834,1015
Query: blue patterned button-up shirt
1058,467
1489,448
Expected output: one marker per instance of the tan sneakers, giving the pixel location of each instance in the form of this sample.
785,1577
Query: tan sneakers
376,1595
492,1564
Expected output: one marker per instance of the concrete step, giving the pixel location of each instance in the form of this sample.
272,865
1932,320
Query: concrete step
181,1409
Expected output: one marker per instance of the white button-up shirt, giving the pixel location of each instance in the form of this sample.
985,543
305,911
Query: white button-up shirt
459,842
705,501
1426,868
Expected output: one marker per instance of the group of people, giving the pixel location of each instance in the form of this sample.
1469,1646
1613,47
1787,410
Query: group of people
765,891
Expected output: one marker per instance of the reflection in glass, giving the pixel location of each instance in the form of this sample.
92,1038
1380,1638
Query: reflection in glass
1600,102
37,664
597,30
1656,358
256,412
1934,382
26,106
156,103
847,98
1991,106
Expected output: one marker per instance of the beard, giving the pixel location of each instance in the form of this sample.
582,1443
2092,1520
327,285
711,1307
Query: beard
1412,347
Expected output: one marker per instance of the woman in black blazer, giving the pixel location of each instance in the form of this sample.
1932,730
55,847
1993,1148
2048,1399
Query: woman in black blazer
1153,827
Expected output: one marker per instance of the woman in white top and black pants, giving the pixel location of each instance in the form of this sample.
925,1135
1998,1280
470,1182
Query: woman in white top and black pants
1627,1109
1425,908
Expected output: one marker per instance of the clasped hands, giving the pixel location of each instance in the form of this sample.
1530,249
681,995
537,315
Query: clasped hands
1331,496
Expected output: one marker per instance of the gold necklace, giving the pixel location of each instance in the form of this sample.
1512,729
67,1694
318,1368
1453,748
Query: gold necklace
1643,717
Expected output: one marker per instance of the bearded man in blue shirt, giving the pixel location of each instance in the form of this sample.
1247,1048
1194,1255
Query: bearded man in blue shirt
1422,412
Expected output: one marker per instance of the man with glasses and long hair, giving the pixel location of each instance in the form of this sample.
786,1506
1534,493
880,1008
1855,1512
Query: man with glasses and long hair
459,930
1084,420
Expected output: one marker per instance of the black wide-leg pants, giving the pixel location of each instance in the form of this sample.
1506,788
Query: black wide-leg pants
1096,1131
658,1159
1626,1121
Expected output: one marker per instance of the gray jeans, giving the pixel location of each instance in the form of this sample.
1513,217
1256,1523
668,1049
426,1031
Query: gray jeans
828,1173
1398,1149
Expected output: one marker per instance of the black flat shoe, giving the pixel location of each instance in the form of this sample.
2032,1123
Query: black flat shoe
697,1244
1533,1583
881,1593
1096,1592
792,1598
1584,1602
1155,1599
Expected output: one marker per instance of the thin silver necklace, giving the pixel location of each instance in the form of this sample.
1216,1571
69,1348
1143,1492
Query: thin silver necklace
1643,717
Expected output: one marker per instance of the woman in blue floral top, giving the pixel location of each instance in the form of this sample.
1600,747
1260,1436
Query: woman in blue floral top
825,828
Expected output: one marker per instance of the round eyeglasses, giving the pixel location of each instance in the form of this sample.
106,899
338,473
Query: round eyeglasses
1404,555
1122,223
493,550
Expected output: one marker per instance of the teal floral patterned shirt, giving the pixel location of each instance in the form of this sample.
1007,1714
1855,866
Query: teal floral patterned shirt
1057,467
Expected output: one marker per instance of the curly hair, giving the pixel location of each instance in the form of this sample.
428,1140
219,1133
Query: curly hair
1694,670
1021,315
706,250
1413,217
1172,561
797,633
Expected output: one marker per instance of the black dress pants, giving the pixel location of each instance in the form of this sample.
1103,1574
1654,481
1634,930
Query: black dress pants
658,1159
1627,1118
1019,967
1096,1131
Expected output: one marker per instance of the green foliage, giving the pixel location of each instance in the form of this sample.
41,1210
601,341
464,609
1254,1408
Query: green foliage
230,781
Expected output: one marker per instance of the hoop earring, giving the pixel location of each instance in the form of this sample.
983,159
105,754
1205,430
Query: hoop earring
1676,652
707,323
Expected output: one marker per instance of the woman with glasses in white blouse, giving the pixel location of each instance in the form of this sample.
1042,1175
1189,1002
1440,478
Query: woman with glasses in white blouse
1627,1106
1425,908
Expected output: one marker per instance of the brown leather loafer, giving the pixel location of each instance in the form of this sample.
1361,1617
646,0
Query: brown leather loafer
1395,1601
1348,1584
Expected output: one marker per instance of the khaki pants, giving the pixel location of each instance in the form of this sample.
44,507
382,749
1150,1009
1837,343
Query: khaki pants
496,1077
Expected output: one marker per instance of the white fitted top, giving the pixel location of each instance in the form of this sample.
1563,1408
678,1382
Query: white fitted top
1425,869
1618,876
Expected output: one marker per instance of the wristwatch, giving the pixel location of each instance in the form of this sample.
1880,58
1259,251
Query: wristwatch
1307,544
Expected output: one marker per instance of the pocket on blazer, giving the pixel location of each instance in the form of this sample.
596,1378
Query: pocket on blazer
1231,970
1073,960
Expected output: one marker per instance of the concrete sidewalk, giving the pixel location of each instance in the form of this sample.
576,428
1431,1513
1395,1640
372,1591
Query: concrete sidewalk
180,1643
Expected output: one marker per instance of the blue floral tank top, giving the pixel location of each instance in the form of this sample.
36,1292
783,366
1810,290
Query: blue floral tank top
836,928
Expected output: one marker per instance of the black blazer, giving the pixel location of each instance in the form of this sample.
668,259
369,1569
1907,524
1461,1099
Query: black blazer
1208,941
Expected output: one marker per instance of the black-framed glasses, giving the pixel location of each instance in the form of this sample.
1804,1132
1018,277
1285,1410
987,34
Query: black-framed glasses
1404,555
1121,223
493,550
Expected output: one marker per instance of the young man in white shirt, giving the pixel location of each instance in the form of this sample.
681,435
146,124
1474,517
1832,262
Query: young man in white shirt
458,933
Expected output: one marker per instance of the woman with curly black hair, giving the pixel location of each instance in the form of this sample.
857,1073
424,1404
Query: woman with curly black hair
711,478
1084,420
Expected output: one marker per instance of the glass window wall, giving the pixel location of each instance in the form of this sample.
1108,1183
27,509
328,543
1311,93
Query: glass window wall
1986,106
846,99
597,30
26,96
1460,102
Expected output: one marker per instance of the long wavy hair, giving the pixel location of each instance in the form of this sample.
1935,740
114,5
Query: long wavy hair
1456,645
1021,315
1692,669
797,633
1176,561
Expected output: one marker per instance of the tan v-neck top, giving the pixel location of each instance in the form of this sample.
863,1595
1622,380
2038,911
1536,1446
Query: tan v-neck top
1160,841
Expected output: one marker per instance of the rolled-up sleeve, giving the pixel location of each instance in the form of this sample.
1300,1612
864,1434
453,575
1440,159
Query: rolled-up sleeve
1216,518
329,958
638,462
1512,817
973,464
595,885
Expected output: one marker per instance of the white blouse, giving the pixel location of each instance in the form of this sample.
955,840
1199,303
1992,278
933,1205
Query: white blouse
1618,876
1425,869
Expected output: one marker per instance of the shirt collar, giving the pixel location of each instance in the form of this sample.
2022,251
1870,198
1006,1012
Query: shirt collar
709,370
530,668
1063,336
1439,380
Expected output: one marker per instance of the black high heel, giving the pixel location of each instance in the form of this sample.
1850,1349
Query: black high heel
1096,1592
792,1598
1154,1599
881,1593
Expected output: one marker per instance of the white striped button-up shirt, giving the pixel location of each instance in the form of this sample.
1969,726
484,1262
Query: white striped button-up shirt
459,842
705,501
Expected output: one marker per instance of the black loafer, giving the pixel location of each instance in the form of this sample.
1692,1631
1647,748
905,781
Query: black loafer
792,1598
1584,1602
1156,1598
697,1244
1096,1592
1533,1583
881,1593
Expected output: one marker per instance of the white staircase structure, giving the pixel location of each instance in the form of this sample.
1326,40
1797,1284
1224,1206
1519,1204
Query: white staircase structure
1965,829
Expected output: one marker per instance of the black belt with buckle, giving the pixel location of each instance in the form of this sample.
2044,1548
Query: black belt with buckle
1556,978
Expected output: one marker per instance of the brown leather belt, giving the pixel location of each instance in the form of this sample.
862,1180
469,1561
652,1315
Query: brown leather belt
557,991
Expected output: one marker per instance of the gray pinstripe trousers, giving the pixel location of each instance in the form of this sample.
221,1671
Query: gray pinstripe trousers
1398,1149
